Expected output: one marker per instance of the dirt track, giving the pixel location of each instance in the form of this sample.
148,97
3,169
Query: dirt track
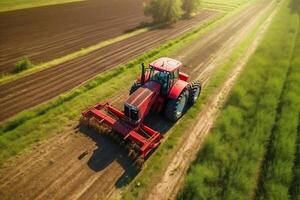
58,168
50,32
42,86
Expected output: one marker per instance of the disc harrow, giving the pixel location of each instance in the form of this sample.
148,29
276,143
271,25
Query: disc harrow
138,141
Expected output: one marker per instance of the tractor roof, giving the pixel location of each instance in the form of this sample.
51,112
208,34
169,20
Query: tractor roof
166,64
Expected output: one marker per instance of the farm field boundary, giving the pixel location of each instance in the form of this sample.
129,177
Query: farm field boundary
276,176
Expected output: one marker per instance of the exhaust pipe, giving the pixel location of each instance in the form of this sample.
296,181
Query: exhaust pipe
143,74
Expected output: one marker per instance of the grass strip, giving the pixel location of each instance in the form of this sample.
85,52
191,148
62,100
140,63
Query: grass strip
140,187
222,6
228,164
9,5
295,186
276,175
11,77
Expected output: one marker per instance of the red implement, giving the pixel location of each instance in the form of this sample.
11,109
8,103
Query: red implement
146,138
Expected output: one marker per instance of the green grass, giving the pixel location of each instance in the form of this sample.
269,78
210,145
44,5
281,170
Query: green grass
295,185
228,165
221,5
277,170
9,5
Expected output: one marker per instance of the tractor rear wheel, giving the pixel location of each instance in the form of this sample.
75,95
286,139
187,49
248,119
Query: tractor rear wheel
194,92
176,107
134,87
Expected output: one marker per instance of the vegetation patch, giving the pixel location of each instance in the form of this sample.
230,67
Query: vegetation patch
277,169
221,5
22,64
228,165
295,185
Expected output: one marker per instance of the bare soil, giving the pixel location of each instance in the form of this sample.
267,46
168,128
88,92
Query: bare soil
50,32
39,87
81,164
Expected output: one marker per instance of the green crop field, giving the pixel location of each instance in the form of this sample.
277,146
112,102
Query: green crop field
222,5
8,5
251,151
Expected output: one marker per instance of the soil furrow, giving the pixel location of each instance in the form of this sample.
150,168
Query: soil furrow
51,23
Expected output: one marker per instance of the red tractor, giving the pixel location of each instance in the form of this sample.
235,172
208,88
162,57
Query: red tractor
160,88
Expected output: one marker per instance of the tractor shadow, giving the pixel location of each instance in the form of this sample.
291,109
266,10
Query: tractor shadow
107,151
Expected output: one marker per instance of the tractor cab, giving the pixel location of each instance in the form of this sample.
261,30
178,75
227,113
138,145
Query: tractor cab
165,71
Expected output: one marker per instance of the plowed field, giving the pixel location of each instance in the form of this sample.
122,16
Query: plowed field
49,32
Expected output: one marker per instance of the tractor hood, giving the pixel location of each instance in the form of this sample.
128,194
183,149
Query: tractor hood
139,102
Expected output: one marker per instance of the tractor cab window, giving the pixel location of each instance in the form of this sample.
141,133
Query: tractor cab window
161,77
176,74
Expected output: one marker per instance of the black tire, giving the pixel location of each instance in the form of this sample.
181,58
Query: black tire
176,107
194,92
134,87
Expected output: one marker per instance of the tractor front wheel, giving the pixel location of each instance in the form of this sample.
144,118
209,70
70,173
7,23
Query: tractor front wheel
176,107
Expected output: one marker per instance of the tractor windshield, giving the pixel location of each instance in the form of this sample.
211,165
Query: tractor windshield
161,77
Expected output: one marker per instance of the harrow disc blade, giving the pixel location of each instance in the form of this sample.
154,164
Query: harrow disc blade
139,162
94,123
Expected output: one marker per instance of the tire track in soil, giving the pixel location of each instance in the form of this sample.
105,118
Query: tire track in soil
96,175
42,86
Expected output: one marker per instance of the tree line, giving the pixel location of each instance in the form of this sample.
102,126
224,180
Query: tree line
170,11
